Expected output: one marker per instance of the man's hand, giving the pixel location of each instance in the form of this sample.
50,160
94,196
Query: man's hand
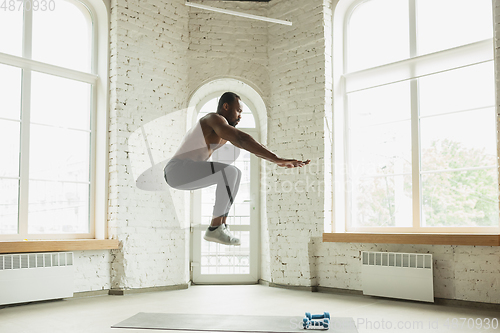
291,163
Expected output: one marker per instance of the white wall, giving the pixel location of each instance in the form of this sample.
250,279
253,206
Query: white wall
468,273
222,45
297,111
92,270
149,69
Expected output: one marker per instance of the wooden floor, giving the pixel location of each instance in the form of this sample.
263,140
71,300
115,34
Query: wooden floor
98,314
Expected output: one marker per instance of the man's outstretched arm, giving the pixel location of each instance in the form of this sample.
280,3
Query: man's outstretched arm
245,141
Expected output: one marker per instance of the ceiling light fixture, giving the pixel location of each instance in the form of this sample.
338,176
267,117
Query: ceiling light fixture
231,12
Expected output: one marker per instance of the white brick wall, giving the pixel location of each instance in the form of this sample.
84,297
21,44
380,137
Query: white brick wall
222,45
296,130
92,270
460,272
149,69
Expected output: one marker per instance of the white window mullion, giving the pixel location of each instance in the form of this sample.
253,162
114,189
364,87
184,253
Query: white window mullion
95,223
25,127
420,66
415,153
349,206
45,68
27,33
415,128
413,28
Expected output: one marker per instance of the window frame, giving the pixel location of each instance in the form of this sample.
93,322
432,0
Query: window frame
97,78
343,82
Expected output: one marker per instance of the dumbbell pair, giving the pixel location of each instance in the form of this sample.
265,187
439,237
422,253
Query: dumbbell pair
311,320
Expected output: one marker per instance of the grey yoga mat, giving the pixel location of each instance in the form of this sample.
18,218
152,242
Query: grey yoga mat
229,323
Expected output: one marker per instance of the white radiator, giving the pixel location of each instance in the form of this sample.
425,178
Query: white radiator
398,275
35,277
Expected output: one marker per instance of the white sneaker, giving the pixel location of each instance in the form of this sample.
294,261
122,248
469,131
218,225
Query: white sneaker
221,235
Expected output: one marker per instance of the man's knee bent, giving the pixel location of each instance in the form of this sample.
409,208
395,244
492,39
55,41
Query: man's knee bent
232,172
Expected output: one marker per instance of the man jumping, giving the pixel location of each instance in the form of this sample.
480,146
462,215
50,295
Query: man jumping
189,169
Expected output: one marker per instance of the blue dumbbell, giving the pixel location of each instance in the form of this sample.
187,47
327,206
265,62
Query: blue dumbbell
306,322
325,323
324,315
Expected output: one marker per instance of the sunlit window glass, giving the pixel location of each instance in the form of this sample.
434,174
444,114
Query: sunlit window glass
10,131
444,24
11,29
59,155
66,47
378,34
380,155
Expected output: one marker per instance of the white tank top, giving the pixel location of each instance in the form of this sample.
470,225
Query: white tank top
193,146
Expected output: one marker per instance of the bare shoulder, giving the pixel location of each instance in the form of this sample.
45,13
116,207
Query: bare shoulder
214,119
218,124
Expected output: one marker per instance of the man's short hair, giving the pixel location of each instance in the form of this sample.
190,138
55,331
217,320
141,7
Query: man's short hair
227,97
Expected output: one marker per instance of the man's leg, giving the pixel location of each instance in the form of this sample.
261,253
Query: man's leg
219,231
190,175
224,197
235,190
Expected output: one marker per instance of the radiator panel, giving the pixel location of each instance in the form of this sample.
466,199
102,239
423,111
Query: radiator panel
35,277
398,275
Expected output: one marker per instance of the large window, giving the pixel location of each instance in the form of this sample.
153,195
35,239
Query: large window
47,120
419,112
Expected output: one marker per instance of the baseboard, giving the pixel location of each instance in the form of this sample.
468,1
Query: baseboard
287,286
340,291
92,293
121,292
467,304
264,282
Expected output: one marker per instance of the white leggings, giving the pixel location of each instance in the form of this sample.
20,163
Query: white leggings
193,175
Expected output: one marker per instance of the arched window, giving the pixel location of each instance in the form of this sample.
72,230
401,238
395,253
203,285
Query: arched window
216,263
48,119
419,116
247,118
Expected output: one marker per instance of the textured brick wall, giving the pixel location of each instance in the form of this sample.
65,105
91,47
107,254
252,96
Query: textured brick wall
222,45
460,272
149,68
297,111
92,270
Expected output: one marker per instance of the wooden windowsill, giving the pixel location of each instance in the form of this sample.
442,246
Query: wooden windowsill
429,239
58,245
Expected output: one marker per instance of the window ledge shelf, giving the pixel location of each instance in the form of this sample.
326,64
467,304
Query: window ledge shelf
58,245
428,239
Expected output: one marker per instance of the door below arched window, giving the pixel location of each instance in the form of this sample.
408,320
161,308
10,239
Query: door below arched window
214,263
